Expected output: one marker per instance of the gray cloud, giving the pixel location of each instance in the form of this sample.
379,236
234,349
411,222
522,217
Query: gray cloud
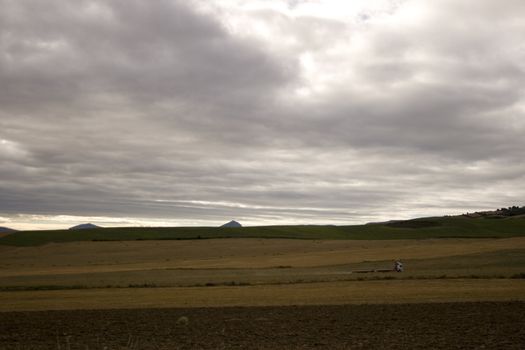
167,111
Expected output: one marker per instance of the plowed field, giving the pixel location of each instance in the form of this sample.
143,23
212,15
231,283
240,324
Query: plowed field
487,325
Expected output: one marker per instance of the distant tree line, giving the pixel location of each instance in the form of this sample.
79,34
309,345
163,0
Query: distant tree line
498,213
512,211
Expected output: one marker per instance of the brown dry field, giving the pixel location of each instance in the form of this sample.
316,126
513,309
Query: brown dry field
324,293
88,257
406,326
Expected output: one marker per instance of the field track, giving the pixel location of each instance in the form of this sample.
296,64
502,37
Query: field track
487,325
355,292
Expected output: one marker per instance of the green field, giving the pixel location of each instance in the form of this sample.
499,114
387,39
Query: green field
438,227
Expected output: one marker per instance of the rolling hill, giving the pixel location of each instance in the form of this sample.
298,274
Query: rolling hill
6,230
84,227
423,228
232,223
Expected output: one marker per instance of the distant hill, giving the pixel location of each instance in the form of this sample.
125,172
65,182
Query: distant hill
6,229
84,227
232,223
422,228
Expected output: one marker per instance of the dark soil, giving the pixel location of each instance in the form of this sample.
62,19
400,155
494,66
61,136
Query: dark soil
412,326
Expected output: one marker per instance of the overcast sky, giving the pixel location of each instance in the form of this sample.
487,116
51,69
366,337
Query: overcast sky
179,112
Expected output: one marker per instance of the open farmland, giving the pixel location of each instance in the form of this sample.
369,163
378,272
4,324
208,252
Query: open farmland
263,293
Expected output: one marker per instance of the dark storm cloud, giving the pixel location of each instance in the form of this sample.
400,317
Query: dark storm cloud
162,110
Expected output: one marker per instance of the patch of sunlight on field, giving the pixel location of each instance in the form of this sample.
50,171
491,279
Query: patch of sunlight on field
356,292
